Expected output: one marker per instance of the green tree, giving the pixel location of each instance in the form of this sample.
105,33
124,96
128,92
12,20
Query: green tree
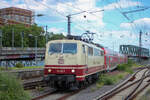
28,41
18,29
53,36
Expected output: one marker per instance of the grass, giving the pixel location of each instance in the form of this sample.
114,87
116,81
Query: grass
128,67
106,79
137,65
11,88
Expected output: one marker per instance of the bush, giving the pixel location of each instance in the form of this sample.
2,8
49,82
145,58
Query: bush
126,67
19,65
122,67
130,62
108,80
11,88
2,68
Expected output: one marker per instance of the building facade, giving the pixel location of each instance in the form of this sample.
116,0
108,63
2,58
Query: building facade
13,15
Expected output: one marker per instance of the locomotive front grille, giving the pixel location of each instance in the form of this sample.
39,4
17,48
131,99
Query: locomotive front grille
54,77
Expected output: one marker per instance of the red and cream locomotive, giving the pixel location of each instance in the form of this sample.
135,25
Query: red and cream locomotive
75,62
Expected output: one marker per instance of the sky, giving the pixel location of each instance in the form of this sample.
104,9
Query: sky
115,22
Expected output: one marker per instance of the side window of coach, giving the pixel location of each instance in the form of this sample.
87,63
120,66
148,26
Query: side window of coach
102,53
90,51
83,48
97,52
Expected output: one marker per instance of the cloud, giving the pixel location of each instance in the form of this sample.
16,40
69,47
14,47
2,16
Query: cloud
83,20
56,30
4,4
121,4
113,39
139,24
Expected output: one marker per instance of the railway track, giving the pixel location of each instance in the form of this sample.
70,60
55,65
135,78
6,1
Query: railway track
58,94
52,94
129,89
47,93
33,83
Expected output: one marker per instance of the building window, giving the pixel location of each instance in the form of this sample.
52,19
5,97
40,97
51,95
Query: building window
17,18
9,17
22,18
27,19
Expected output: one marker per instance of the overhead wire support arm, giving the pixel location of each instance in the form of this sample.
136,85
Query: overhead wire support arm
95,11
132,11
69,18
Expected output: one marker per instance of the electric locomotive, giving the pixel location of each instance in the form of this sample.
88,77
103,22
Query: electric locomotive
77,63
72,62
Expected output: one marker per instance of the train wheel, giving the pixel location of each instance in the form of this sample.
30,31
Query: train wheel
89,80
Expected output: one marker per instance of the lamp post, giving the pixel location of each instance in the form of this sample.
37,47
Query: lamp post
1,45
36,40
22,36
46,34
13,37
45,27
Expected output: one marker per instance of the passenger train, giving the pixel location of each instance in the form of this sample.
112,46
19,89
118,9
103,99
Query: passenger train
75,63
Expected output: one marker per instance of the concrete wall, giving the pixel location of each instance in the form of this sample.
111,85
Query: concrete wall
12,63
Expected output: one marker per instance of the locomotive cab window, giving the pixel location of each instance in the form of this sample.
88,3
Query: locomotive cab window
63,48
55,48
70,48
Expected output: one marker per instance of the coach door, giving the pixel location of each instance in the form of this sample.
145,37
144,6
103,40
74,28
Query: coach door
108,62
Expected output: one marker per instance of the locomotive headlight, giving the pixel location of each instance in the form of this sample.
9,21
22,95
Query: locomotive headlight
72,70
49,70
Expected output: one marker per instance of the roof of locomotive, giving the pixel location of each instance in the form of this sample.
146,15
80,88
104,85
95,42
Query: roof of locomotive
74,41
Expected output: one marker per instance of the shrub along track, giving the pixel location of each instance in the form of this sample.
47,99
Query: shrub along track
130,88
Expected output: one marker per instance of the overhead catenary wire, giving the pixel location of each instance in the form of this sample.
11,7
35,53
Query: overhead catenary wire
81,27
92,13
62,14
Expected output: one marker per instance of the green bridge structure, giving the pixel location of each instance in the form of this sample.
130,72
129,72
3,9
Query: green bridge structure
135,52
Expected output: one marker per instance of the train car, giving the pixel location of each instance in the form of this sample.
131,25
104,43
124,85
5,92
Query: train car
72,62
112,59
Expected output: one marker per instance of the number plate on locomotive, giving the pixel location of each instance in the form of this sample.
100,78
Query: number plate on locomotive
60,71
60,61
